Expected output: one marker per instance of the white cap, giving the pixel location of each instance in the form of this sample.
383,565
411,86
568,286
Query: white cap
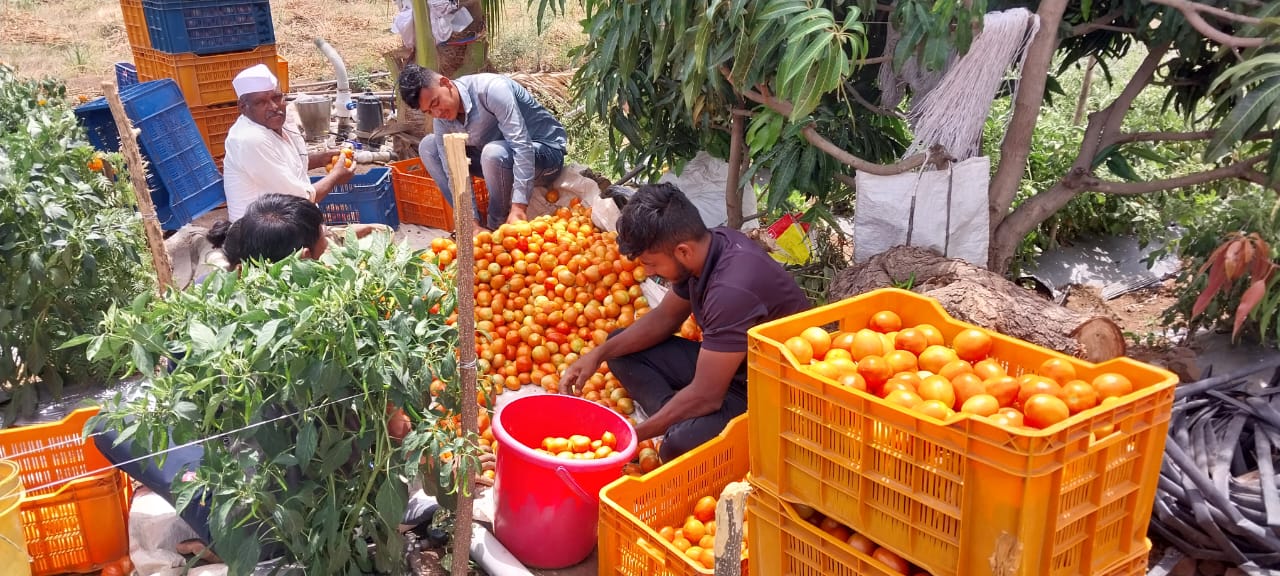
256,78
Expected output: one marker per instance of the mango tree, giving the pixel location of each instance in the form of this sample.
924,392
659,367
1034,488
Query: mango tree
669,77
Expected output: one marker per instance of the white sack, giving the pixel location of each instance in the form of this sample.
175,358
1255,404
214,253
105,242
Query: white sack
883,211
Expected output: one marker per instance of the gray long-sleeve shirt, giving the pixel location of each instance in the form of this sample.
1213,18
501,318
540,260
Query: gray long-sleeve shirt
496,108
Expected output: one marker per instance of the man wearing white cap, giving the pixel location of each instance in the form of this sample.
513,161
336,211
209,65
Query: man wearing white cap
266,157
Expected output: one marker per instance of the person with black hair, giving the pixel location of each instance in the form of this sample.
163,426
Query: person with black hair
690,391
276,226
513,142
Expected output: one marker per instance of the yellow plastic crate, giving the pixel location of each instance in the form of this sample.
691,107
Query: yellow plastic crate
943,495
630,507
783,543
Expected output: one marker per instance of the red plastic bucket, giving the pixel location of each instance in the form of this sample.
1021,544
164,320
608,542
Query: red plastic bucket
546,507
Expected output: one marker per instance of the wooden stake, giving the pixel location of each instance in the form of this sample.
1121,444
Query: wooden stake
138,176
731,512
455,151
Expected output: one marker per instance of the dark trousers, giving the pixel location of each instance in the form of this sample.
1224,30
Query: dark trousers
653,376
159,479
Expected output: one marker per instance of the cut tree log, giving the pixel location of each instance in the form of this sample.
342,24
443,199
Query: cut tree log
979,296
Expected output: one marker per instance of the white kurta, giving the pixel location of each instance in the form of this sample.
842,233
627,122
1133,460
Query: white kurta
259,161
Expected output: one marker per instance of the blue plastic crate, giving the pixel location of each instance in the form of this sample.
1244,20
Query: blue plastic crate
184,180
366,199
208,26
126,74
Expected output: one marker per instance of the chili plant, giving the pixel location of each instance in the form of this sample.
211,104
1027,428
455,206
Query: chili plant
70,242
297,365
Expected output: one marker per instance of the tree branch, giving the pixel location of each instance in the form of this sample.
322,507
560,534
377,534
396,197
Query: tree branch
1130,137
1120,106
1192,12
857,97
822,143
1239,169
1015,148
1100,23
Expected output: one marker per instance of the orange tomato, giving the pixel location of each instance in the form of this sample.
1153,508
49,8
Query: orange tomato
866,343
955,368
693,529
842,340
904,398
988,369
967,386
902,361
667,533
1111,385
935,357
981,405
1029,385
1079,396
855,381
1044,410
938,388
937,409
874,370
1058,369
891,560
705,509
837,354
819,339
681,543
800,348
931,334
836,529
824,368
972,344
1008,417
911,340
885,321
1003,388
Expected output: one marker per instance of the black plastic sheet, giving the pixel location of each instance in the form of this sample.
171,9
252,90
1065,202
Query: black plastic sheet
1218,497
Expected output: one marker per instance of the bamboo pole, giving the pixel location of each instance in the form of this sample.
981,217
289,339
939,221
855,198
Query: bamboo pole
455,150
138,176
731,514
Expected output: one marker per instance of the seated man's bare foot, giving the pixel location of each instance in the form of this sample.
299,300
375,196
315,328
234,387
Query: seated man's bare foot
199,550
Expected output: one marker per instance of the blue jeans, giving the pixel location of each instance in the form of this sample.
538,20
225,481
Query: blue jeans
494,163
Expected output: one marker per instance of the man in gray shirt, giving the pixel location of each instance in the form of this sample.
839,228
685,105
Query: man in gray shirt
513,142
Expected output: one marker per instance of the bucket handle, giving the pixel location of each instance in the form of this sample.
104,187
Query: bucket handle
573,485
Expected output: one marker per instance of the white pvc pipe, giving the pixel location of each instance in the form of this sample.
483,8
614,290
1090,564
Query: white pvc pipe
340,71
490,554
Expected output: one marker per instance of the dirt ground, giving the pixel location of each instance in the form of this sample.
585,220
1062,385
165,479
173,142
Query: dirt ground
79,41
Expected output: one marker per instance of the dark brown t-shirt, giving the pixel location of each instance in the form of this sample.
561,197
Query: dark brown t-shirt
740,287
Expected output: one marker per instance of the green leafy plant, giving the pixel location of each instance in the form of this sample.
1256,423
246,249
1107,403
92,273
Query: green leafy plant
70,242
298,364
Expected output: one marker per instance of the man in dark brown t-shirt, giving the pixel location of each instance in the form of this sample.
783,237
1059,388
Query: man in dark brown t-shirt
689,390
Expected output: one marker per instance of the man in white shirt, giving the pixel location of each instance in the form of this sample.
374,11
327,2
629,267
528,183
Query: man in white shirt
266,157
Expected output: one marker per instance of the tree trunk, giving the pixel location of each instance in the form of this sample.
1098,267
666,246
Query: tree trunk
1016,146
733,181
980,297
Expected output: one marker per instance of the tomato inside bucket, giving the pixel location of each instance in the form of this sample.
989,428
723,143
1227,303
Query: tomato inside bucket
536,494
